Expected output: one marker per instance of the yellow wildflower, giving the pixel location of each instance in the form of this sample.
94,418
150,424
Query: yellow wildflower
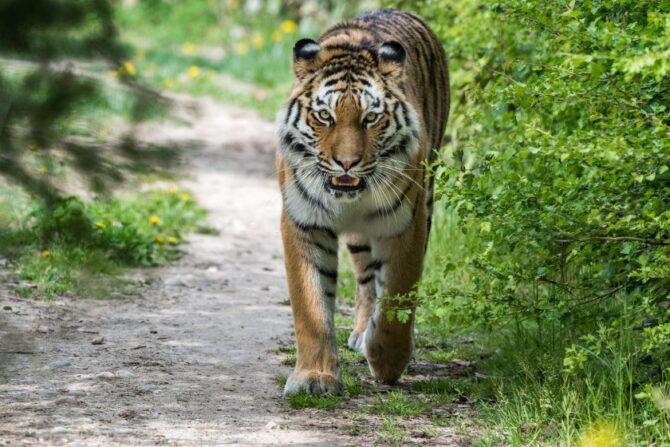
160,239
184,197
100,224
45,253
43,170
288,27
277,36
193,71
242,48
602,434
257,41
169,83
189,49
171,240
128,68
173,189
154,220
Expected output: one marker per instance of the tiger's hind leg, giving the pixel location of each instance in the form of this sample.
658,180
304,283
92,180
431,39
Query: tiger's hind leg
364,269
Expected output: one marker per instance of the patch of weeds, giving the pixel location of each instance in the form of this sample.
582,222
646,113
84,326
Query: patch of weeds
287,350
396,403
342,338
81,246
352,383
281,381
304,400
289,360
440,422
291,354
347,355
390,433
439,356
354,430
442,386
429,431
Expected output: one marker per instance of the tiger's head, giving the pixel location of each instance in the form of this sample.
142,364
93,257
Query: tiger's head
348,126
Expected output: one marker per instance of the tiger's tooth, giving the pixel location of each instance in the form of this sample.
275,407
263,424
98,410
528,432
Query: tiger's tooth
356,182
334,181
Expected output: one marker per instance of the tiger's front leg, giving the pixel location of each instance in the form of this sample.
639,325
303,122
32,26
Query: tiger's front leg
388,343
311,266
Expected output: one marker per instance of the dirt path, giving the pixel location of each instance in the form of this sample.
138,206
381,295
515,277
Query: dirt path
190,362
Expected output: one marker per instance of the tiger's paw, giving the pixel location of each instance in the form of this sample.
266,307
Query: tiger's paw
355,342
387,353
313,382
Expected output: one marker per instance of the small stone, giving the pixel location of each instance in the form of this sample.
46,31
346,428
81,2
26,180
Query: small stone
64,401
76,393
98,341
7,308
59,430
106,375
271,425
60,363
148,388
124,374
47,394
43,329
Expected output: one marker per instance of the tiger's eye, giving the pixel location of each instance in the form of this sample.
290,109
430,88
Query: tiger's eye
324,115
370,117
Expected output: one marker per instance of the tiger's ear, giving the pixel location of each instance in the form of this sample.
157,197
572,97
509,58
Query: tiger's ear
392,59
305,53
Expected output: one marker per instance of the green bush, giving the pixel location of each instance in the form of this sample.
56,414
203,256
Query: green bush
558,178
56,246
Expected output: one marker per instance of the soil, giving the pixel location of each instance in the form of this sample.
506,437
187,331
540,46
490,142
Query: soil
192,358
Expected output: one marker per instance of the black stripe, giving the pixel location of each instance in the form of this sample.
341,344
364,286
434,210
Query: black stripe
308,228
323,248
330,294
353,249
375,264
297,115
366,279
330,274
397,148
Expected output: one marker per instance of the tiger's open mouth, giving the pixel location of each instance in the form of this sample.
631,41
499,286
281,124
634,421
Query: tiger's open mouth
346,183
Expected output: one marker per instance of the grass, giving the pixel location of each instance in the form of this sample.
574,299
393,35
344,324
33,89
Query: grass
81,247
397,403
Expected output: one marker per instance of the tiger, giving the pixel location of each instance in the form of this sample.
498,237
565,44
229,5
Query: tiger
366,114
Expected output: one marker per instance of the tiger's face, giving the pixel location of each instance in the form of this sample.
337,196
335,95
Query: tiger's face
348,128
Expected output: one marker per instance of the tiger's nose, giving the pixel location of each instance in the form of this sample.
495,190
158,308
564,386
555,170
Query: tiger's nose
346,162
